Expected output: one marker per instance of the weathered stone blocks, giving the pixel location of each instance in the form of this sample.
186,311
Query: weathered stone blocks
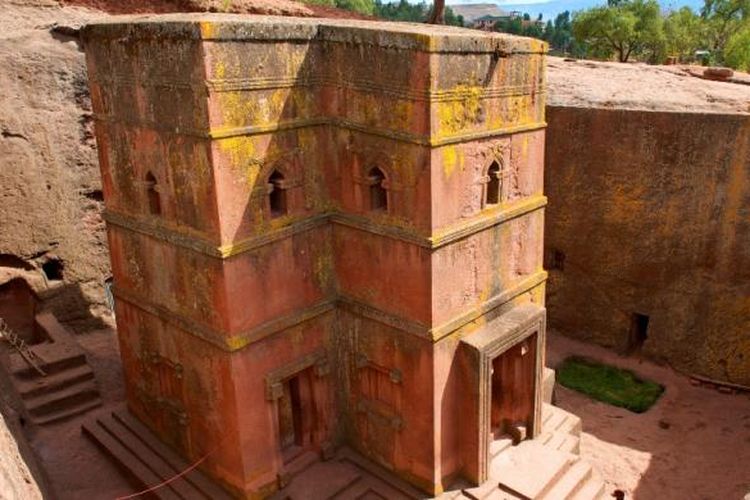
302,234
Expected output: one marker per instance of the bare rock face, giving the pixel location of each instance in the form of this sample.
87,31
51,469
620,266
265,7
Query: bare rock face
16,480
50,192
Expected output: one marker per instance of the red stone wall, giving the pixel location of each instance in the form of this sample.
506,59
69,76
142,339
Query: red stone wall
649,213
373,302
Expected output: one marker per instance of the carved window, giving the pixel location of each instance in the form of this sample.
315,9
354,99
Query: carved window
277,194
378,192
152,194
492,190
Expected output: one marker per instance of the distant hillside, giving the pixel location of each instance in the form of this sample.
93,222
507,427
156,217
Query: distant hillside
548,8
472,11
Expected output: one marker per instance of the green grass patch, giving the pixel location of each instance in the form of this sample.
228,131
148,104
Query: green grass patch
608,384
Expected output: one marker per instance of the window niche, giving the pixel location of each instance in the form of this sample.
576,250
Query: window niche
277,195
152,195
377,189
492,186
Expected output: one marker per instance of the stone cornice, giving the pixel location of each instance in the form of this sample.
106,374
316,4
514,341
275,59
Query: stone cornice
218,86
234,342
208,27
293,124
446,236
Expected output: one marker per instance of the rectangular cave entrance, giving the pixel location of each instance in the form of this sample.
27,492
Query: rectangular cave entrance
296,414
638,332
18,309
513,391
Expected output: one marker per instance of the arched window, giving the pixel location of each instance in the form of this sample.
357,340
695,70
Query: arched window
492,192
378,193
152,192
277,194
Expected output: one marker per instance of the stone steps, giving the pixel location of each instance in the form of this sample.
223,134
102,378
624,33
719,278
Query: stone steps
65,398
22,370
347,476
593,489
570,483
545,468
530,469
498,446
561,441
147,460
67,388
29,387
555,419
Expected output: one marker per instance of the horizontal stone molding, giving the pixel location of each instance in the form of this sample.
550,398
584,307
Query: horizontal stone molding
487,219
218,86
230,343
443,237
251,130
529,283
223,340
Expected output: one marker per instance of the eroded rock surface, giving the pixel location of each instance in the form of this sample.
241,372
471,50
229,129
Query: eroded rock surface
50,190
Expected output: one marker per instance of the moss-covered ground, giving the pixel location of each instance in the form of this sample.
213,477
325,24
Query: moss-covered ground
608,384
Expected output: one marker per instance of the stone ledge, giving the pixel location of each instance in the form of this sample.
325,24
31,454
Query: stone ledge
230,343
444,237
228,27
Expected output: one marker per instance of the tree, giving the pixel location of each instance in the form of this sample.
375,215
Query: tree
737,51
560,33
361,6
724,20
438,13
412,12
684,32
624,28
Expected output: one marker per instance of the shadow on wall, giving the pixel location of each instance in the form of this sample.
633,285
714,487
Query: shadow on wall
24,295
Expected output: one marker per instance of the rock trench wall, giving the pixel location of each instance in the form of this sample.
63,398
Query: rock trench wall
649,213
52,234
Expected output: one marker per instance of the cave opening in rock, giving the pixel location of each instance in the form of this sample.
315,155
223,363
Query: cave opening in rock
638,332
53,269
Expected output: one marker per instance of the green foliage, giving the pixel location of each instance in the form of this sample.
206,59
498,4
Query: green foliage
736,53
608,384
559,35
361,6
521,25
623,28
326,3
725,20
412,12
685,33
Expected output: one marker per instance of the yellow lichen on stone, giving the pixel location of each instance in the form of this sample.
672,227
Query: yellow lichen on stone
241,153
452,159
207,30
458,114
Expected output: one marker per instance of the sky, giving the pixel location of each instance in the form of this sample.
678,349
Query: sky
550,8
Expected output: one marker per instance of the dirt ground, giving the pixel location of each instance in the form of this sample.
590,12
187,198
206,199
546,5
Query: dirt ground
693,444
582,83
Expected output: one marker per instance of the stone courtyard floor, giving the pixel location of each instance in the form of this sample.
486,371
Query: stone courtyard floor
694,443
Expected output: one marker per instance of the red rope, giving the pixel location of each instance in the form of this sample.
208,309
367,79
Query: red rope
166,482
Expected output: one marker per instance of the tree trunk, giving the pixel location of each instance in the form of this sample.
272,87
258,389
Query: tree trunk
438,13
